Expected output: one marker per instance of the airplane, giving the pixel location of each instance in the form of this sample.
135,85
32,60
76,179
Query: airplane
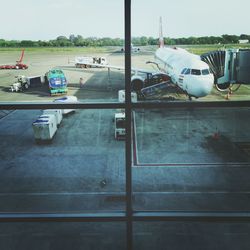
133,49
176,67
186,70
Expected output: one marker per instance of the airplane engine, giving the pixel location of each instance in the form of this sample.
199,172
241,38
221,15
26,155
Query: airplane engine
137,83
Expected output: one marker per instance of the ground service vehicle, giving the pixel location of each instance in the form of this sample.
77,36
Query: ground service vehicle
22,83
18,65
56,81
89,61
120,131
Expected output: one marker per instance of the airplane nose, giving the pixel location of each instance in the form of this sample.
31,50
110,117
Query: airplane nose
206,87
201,86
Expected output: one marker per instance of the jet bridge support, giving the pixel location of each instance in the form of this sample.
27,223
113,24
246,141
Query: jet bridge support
230,67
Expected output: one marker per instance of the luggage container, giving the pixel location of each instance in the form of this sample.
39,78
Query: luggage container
44,128
56,112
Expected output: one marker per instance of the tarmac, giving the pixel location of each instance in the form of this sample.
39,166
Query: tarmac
183,160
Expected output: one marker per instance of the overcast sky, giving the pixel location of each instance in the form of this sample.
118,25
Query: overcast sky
47,19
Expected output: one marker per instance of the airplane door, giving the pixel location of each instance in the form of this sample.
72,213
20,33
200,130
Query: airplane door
186,80
185,84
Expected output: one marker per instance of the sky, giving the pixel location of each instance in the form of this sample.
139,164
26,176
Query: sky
47,19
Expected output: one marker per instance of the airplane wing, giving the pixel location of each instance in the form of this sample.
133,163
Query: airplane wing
116,67
145,81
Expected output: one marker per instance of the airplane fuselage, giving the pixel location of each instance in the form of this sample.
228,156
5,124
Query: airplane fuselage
186,70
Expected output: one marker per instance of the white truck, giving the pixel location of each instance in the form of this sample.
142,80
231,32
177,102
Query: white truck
89,61
120,130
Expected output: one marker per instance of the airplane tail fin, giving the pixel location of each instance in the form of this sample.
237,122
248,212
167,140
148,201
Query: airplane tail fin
161,39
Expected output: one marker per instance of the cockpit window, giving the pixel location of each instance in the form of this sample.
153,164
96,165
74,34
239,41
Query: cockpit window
187,72
205,72
183,71
195,72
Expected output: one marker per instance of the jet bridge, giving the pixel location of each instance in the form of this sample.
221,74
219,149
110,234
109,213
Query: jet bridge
229,66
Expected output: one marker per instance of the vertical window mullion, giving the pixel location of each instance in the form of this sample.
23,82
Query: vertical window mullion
128,150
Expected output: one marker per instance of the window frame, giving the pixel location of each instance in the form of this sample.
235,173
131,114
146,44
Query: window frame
129,215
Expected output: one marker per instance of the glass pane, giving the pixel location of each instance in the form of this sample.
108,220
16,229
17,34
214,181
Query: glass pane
168,44
191,159
177,236
57,236
75,38
60,163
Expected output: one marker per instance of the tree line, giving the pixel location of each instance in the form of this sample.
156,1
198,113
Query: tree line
79,41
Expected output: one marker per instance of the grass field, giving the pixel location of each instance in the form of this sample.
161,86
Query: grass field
200,49
196,49
63,49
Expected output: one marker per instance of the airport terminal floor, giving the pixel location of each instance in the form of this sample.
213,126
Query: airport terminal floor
184,160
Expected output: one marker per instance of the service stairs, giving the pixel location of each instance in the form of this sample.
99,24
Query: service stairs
154,89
